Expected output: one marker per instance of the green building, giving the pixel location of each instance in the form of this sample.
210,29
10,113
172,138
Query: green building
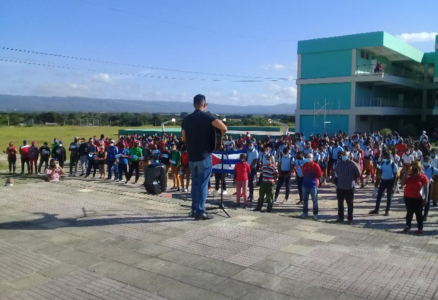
364,82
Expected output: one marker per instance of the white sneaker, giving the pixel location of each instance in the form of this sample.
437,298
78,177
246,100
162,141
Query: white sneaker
315,217
216,192
304,216
224,192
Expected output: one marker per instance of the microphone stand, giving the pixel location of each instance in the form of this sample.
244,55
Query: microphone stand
221,203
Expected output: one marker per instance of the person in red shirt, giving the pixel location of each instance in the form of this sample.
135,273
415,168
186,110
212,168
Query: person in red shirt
241,173
415,182
401,148
24,152
311,174
184,169
11,151
123,142
161,144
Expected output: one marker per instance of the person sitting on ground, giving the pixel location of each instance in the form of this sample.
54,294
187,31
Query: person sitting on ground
54,172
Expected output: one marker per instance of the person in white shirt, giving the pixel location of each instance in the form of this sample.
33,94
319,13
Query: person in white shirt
433,159
407,158
417,152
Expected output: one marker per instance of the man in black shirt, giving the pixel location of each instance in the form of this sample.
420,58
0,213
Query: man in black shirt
74,156
83,156
44,157
60,154
196,132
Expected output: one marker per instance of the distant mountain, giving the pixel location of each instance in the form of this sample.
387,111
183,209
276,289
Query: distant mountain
76,104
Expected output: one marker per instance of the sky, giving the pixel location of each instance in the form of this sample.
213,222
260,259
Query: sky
171,50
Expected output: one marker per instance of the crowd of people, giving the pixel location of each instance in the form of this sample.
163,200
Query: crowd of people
389,164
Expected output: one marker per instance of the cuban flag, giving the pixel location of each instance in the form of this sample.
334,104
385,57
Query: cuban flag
230,159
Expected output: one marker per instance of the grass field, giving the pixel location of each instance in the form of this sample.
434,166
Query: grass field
41,134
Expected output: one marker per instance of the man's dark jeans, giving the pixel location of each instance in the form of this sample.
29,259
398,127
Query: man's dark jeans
251,182
385,184
348,196
280,182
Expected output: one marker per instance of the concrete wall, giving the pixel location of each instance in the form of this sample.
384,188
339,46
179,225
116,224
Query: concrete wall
334,92
363,92
337,122
436,58
326,64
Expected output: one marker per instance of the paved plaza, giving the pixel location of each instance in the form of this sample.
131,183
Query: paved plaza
80,239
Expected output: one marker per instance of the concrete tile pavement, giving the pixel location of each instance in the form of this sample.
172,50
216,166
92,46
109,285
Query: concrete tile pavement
59,242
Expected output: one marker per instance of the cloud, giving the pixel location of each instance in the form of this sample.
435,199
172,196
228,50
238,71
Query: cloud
288,92
104,86
276,67
101,78
418,37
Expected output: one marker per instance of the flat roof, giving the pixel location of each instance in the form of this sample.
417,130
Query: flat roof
362,40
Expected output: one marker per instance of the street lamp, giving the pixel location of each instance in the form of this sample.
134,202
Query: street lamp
167,122
286,126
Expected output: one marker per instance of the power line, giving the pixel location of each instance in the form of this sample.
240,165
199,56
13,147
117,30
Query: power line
140,66
43,64
183,25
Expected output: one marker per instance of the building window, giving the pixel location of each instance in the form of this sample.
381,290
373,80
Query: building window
363,118
362,54
367,56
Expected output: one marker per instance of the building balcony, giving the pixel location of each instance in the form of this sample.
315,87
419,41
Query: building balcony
391,74
385,106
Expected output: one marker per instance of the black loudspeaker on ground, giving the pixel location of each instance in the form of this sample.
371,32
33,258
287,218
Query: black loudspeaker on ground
155,179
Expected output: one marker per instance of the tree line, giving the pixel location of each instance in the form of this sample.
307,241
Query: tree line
130,119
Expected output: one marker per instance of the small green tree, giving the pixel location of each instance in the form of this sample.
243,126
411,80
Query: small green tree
385,131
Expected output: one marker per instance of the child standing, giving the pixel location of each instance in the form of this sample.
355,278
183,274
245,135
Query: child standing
269,174
241,173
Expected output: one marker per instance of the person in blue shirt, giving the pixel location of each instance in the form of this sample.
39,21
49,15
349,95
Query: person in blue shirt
300,143
377,137
429,171
334,153
320,158
299,162
156,154
307,148
293,152
273,153
389,141
388,172
122,156
285,164
112,151
92,158
252,160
